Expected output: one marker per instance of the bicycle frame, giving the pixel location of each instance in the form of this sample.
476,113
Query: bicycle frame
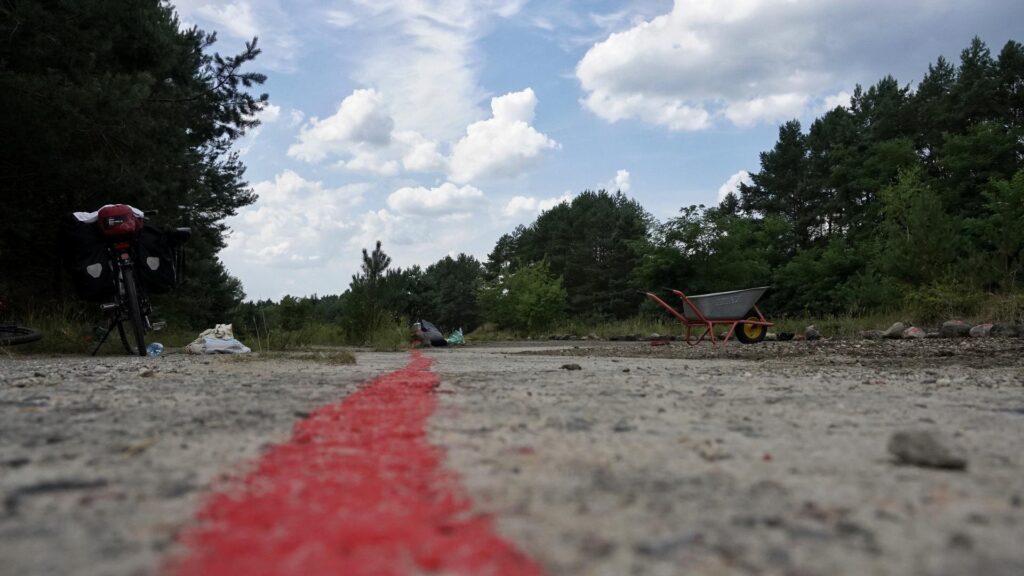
120,258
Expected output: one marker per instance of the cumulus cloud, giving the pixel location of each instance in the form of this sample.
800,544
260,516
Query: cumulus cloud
420,154
526,207
270,114
503,145
362,135
748,61
294,223
445,201
620,183
360,119
733,184
427,59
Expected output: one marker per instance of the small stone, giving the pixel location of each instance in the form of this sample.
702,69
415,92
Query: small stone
771,337
147,372
955,329
895,332
812,333
623,425
981,331
1005,330
571,367
913,333
961,541
926,448
594,336
711,451
872,334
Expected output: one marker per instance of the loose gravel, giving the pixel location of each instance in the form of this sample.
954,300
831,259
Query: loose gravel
763,459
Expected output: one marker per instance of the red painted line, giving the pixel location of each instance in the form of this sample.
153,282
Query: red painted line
357,490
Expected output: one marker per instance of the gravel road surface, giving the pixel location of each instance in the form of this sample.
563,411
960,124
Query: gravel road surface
595,458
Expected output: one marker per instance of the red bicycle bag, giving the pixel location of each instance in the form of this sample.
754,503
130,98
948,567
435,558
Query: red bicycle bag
119,220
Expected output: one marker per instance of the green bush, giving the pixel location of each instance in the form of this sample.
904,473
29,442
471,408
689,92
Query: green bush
528,300
941,301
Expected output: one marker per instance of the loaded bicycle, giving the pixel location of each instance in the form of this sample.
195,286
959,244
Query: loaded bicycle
116,258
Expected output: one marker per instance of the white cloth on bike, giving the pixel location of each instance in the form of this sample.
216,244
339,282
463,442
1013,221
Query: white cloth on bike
90,217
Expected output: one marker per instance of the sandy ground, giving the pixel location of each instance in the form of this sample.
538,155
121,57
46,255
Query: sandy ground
766,459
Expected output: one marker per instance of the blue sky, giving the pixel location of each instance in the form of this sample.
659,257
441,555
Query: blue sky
435,126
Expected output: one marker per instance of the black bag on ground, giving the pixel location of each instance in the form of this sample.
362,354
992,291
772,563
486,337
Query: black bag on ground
432,334
160,259
84,256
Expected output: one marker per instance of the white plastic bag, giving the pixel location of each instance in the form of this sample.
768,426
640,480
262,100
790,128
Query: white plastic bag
217,340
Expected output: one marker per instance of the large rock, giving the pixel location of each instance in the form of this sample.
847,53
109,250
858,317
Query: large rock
981,331
926,448
914,333
812,333
1005,330
895,332
955,329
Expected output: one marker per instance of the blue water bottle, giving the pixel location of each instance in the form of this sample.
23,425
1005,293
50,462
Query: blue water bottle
154,349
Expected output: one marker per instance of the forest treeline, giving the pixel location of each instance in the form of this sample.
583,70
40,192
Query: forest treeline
111,101
909,198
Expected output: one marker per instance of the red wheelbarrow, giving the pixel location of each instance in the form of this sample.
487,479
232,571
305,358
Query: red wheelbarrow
736,309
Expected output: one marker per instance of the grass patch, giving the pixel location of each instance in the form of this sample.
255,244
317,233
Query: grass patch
390,338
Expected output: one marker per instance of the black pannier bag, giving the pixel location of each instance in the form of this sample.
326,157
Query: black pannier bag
161,259
84,255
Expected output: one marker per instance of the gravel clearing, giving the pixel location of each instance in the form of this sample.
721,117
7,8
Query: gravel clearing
764,459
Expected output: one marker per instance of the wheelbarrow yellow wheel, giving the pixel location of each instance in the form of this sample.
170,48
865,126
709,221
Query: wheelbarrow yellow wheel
751,333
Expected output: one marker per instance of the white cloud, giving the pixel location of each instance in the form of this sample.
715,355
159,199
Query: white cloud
360,120
752,61
526,207
295,117
733,184
426,59
773,108
236,18
421,155
362,134
620,183
446,200
840,99
503,145
370,162
269,114
294,223
340,18
243,20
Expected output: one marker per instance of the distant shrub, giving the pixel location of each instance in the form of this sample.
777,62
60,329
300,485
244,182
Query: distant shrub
941,301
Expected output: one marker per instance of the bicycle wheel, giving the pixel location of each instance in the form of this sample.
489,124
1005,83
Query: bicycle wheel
138,328
11,335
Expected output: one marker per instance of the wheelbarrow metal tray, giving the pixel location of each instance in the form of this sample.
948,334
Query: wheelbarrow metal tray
724,305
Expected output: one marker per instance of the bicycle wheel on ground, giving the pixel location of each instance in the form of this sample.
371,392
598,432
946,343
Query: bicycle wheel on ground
751,333
11,335
136,327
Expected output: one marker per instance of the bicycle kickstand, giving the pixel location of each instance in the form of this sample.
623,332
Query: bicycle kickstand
106,334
